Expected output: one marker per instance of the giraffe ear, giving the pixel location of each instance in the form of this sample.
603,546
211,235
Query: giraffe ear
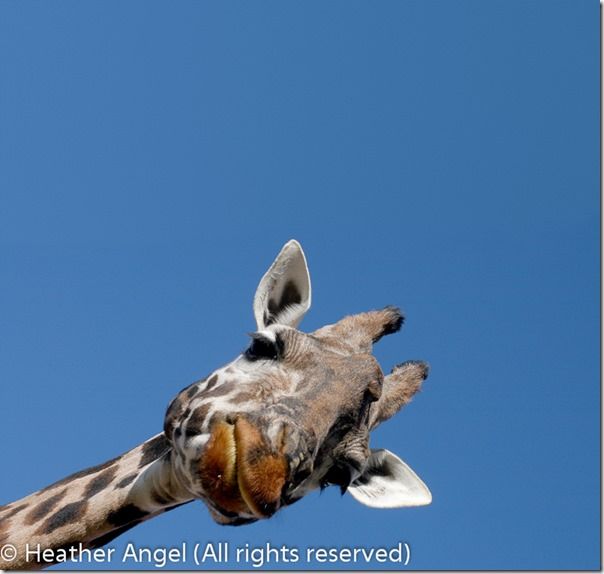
283,295
387,482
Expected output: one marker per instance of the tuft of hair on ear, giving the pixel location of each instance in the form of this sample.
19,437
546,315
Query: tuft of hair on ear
393,321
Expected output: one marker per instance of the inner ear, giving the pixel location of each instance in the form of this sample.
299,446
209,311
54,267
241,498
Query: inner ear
284,294
388,482
290,295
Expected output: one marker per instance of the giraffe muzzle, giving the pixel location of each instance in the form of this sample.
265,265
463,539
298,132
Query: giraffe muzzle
241,472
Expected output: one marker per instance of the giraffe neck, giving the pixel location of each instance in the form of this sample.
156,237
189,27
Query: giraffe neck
93,506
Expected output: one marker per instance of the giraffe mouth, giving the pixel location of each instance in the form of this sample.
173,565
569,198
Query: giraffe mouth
240,472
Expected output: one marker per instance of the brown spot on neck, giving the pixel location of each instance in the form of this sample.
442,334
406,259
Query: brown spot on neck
68,514
153,449
126,515
126,480
100,482
11,511
42,509
81,474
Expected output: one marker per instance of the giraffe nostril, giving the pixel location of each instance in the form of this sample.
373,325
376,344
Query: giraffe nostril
231,418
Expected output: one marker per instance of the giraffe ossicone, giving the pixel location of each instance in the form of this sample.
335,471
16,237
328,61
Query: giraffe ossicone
291,414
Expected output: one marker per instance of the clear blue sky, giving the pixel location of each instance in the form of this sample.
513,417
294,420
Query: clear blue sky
441,156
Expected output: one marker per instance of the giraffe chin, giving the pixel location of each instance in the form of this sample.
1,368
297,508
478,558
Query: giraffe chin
240,472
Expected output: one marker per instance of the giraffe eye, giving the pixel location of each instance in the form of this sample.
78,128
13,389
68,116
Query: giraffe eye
262,347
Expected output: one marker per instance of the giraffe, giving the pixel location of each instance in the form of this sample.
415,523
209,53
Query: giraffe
291,414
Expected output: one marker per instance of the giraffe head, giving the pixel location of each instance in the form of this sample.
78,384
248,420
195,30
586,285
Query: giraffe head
294,411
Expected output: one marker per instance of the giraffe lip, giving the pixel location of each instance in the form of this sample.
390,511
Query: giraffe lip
246,496
218,470
240,472
234,479
232,475
261,471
